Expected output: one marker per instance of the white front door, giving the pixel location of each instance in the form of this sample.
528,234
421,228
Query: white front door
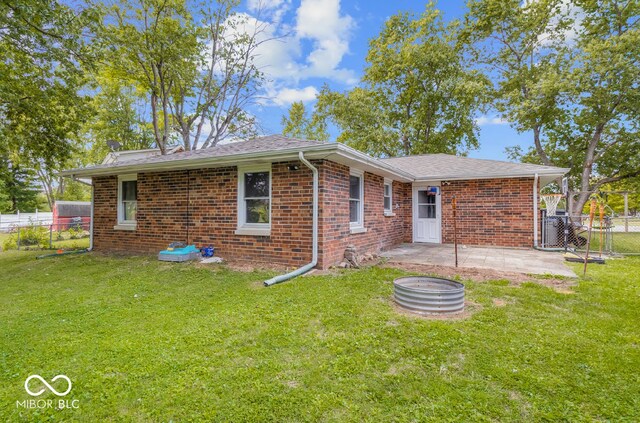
426,214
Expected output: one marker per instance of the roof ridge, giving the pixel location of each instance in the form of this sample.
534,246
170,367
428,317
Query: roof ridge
418,155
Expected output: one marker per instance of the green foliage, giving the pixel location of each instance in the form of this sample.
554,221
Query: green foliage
41,73
299,125
417,94
28,236
77,233
152,46
187,343
18,188
74,191
120,115
569,72
193,62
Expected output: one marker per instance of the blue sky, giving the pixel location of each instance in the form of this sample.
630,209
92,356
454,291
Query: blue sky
326,41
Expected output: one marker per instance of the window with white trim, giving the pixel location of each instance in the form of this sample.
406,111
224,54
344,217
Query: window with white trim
388,196
356,203
127,199
254,200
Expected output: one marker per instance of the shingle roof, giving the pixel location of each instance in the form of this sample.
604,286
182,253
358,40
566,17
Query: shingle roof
446,166
428,166
73,208
261,144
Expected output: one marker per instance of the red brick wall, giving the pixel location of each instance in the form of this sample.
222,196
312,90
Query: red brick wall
211,218
383,231
490,212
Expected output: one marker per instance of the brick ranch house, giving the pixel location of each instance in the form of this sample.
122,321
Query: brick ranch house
255,200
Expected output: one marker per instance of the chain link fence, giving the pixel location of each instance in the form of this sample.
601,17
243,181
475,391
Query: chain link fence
617,233
59,234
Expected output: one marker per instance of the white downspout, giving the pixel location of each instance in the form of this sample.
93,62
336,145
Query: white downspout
314,254
90,223
535,211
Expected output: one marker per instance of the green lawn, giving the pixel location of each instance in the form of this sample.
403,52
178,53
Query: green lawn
149,341
621,242
626,242
65,242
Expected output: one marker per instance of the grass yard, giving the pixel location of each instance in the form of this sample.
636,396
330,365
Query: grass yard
65,243
621,243
626,242
149,341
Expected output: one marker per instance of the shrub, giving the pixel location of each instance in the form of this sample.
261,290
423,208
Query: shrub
75,233
31,235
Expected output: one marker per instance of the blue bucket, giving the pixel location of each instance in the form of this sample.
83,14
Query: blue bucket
207,251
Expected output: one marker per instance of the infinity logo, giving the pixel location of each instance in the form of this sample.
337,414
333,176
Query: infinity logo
51,388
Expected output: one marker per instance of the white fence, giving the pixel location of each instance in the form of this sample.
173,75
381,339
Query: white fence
8,221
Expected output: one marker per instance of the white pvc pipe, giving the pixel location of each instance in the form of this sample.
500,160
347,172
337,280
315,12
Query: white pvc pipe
314,254
535,211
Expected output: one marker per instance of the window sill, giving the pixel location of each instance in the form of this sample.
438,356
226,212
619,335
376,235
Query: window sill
389,214
359,230
254,231
125,227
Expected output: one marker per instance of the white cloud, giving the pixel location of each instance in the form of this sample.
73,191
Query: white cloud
282,58
256,5
276,53
490,120
274,9
286,96
321,22
554,32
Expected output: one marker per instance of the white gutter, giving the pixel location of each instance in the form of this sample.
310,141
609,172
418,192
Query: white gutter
490,176
191,162
314,254
535,211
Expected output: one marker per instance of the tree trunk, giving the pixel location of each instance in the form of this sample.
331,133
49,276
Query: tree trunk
586,189
538,143
154,120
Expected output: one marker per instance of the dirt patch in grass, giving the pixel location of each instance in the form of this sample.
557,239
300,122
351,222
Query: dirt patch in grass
562,285
248,266
499,302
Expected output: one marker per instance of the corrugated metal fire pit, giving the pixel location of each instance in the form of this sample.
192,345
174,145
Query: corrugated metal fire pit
424,294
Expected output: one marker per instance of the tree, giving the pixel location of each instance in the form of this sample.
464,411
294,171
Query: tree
298,125
570,74
18,187
121,115
41,73
195,62
151,45
417,95
212,105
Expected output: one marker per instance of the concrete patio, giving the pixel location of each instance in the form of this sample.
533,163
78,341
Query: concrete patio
528,261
